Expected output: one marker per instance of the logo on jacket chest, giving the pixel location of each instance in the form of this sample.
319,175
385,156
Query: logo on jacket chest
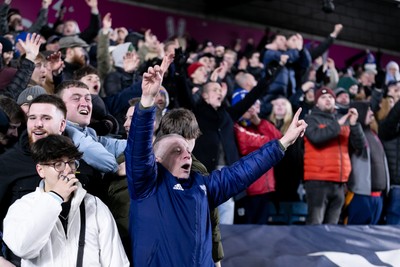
178,187
204,188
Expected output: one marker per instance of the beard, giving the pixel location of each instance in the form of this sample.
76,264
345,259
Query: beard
80,61
31,140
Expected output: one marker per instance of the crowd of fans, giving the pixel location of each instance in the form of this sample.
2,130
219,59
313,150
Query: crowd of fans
346,167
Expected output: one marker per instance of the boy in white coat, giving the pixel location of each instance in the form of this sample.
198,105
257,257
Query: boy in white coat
44,227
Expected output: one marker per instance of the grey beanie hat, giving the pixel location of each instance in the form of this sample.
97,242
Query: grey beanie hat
29,94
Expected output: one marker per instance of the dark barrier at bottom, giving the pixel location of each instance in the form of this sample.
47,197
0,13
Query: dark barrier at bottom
309,246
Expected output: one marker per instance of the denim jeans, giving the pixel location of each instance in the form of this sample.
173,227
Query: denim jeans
325,201
393,206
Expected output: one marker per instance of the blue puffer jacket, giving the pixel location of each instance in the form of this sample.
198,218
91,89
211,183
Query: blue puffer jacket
170,221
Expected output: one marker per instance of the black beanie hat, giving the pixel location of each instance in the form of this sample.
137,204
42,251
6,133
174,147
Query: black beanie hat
7,45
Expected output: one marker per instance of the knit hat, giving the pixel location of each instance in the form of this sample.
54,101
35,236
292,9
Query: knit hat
29,94
347,82
164,91
339,91
193,67
324,91
238,96
7,45
3,122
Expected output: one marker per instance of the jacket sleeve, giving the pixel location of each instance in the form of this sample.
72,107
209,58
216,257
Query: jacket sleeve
250,141
234,179
319,132
91,31
141,167
113,145
257,92
357,137
103,56
20,80
120,101
389,128
271,55
112,251
29,222
3,18
116,81
94,153
237,111
322,47
40,21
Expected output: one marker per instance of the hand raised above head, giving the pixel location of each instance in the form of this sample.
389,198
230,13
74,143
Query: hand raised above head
107,22
56,63
296,128
30,46
46,3
152,80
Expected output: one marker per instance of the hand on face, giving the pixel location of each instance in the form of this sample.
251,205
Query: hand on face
65,185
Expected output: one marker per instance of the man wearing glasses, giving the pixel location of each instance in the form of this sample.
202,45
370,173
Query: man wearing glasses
45,227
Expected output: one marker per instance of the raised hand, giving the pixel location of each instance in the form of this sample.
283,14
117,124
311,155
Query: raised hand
93,6
131,62
152,80
283,59
336,30
330,63
107,23
296,128
30,46
167,60
91,3
307,86
353,116
56,63
46,3
219,72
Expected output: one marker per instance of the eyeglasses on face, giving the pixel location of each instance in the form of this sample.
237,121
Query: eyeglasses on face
61,165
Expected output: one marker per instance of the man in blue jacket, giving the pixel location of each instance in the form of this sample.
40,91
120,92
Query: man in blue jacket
169,216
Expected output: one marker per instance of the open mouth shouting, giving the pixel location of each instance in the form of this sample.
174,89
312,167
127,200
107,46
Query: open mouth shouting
186,167
84,112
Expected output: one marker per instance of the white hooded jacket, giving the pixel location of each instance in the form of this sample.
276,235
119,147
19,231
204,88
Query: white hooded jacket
33,231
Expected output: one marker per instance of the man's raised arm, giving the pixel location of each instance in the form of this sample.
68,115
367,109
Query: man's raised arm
139,157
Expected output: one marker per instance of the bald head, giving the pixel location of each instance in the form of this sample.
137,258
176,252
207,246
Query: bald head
174,153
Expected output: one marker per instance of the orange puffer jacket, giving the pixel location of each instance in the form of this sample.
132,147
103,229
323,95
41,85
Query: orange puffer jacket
330,162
